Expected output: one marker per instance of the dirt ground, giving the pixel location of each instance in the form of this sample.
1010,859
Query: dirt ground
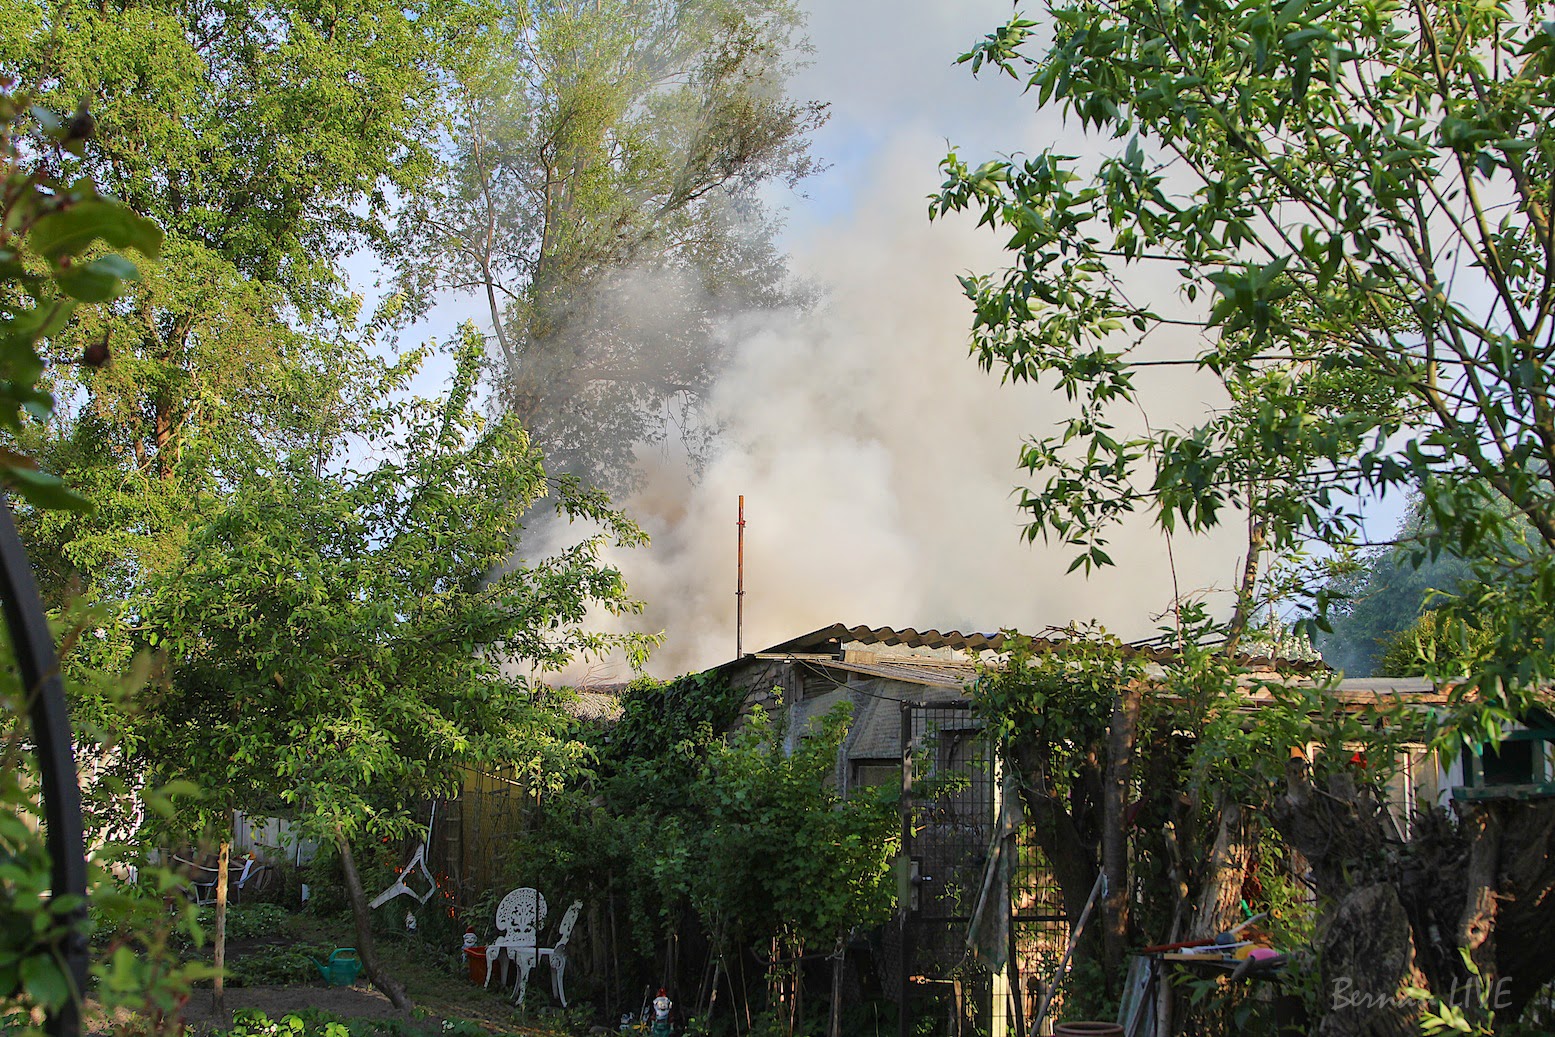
438,991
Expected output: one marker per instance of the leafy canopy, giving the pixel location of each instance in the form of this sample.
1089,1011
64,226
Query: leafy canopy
346,633
62,244
267,141
65,249
1352,200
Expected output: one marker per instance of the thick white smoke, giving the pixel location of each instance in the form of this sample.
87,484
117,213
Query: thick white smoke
878,462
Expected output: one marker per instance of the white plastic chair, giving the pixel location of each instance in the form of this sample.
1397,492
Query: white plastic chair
558,953
519,918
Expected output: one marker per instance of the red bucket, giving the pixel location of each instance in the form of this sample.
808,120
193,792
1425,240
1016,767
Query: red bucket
475,960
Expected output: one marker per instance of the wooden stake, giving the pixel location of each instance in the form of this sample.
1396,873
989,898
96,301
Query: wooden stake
219,991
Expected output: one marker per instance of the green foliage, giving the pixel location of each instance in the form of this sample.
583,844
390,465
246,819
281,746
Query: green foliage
246,921
1353,202
134,937
766,805
310,1022
1434,637
250,1022
665,731
1383,597
1057,703
1379,594
689,819
33,925
343,638
1476,1017
276,965
62,243
269,137
267,143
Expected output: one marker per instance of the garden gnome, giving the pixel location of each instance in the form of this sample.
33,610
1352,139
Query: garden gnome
469,937
661,1015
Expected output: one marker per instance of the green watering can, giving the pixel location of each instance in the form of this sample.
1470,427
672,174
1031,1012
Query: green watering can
342,967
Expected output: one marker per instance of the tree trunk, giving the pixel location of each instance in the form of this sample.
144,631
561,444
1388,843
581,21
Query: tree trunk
1367,958
1122,736
219,985
362,916
798,1017
1485,885
1225,871
834,1022
1074,869
1525,913
1257,537
1477,924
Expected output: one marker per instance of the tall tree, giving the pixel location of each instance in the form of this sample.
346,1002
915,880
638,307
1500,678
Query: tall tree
62,245
604,203
1383,592
268,141
344,639
1352,192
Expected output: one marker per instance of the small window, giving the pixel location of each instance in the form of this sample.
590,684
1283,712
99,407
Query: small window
877,774
1512,763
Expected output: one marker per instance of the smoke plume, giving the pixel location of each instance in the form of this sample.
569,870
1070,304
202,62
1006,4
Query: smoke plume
878,462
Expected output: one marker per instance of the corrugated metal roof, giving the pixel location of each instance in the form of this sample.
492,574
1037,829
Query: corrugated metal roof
960,676
831,648
1360,690
910,638
833,638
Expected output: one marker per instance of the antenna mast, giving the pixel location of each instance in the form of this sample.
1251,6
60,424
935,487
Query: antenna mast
739,587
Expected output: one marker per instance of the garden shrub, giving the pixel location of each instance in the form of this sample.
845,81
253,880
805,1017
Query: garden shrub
246,921
250,1022
276,965
312,1022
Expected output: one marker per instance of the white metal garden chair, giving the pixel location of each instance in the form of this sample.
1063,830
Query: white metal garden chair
519,917
558,953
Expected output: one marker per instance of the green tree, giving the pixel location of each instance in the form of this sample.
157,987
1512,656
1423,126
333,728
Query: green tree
64,248
268,143
1332,212
1069,723
602,199
1353,201
764,803
677,828
1381,593
344,638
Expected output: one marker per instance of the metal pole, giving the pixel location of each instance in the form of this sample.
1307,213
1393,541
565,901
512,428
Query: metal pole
904,909
739,588
33,644
1074,941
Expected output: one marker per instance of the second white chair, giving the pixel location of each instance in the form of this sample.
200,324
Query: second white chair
558,953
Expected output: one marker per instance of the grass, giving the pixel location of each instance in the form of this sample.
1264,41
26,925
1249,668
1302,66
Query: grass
268,946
